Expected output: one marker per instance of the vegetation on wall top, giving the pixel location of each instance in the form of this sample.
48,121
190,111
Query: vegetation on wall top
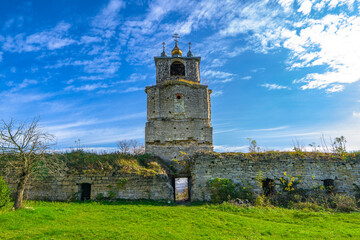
278,155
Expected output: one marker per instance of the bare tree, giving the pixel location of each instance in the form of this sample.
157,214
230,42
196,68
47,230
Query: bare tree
124,146
130,146
25,145
136,147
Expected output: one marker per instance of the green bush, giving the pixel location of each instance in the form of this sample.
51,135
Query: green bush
344,202
262,201
100,197
223,189
5,192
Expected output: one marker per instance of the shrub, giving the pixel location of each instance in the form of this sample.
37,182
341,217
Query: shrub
5,192
100,197
344,202
289,183
262,201
223,189
357,193
111,193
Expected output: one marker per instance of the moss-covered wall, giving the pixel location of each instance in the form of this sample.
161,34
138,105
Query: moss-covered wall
125,186
312,167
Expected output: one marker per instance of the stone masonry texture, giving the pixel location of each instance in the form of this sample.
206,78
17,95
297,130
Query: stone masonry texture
207,166
178,111
67,186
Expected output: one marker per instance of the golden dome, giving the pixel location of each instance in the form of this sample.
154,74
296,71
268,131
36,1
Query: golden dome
176,51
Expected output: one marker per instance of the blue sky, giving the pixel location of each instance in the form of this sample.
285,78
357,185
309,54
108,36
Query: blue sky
280,71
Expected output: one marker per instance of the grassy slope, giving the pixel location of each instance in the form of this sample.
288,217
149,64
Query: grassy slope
153,221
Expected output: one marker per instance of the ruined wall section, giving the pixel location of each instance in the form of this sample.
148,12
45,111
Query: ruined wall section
163,64
238,168
68,186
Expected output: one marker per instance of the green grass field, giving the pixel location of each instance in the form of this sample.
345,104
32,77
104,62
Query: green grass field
152,220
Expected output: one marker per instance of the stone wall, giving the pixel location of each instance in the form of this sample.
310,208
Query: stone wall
204,167
179,116
242,169
126,186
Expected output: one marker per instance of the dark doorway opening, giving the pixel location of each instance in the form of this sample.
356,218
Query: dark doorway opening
85,191
182,189
268,186
177,69
329,185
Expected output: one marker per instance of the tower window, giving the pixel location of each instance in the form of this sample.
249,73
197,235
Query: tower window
179,96
177,69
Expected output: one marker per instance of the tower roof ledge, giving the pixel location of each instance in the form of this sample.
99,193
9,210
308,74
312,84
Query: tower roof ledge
196,58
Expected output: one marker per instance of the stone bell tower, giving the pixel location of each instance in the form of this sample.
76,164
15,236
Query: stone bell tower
178,107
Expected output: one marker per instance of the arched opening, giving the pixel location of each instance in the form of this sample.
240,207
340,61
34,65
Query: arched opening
177,69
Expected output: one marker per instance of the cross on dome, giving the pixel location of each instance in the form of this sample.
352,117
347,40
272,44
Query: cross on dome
176,52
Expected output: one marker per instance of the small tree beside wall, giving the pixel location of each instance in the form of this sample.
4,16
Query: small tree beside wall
23,146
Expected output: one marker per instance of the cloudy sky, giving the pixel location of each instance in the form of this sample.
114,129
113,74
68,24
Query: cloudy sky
281,71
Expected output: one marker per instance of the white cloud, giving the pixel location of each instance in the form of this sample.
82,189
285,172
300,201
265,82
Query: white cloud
274,86
257,70
223,148
12,98
90,39
335,88
98,135
356,114
218,76
331,41
127,90
133,89
52,39
87,87
286,4
305,7
27,82
269,129
108,62
217,93
246,78
107,20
